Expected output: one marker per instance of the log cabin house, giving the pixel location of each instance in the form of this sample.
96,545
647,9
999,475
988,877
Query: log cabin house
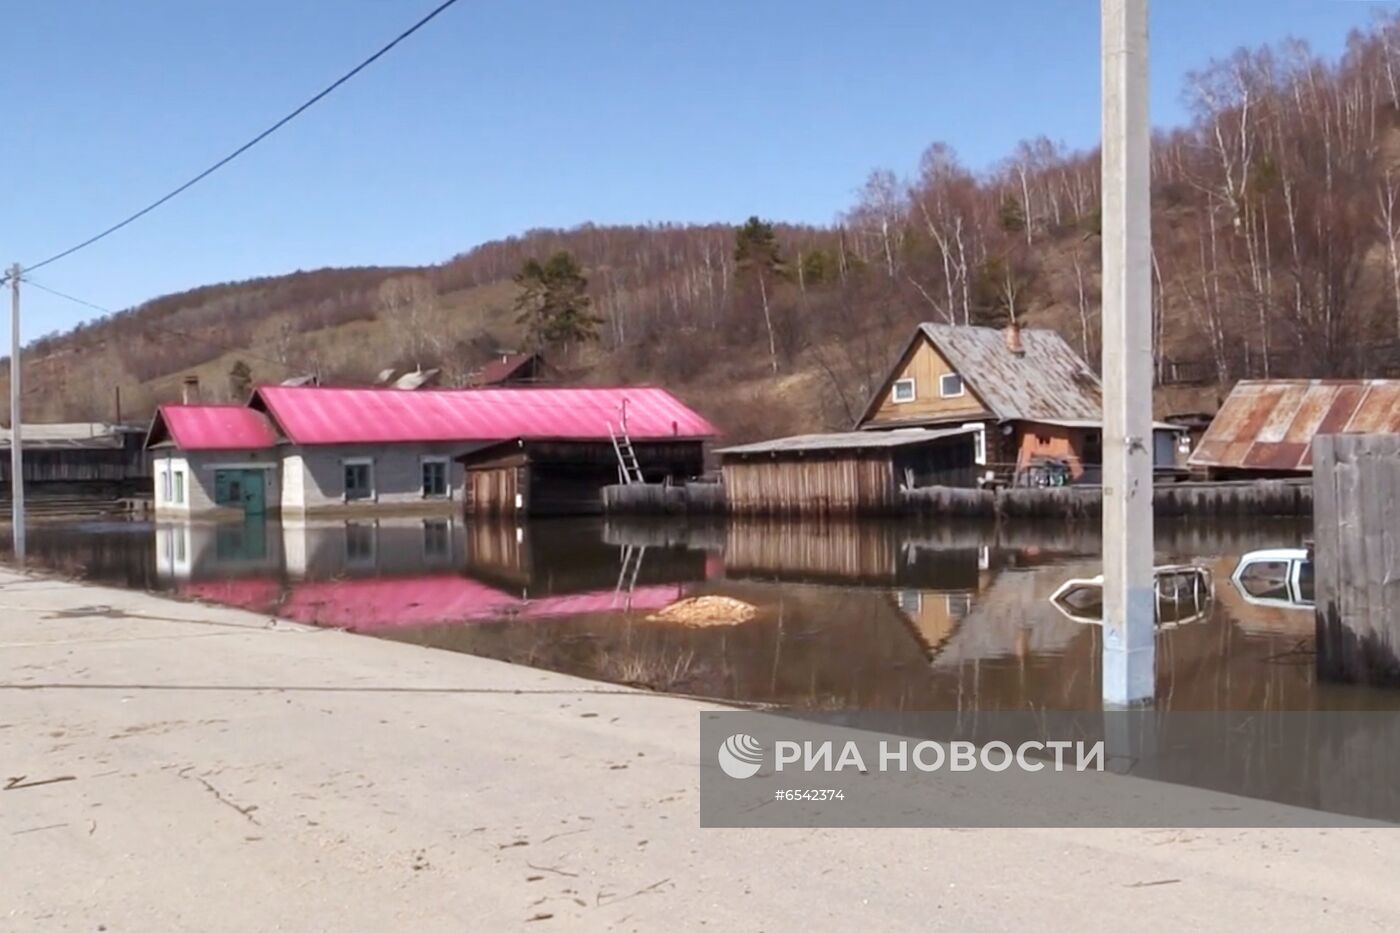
1033,404
313,450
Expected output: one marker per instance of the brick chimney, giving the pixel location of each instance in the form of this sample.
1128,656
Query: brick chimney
1012,332
189,390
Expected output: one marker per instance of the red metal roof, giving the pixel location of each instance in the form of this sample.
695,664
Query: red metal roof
319,415
504,368
213,427
374,604
1269,425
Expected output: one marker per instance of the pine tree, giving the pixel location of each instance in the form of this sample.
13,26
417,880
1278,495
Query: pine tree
554,304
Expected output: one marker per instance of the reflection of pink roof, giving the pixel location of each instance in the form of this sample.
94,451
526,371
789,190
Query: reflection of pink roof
215,427
318,415
374,603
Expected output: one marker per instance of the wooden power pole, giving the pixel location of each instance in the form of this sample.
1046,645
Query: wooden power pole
1129,602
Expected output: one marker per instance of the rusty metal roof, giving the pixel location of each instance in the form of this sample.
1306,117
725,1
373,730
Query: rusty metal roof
1046,381
1269,425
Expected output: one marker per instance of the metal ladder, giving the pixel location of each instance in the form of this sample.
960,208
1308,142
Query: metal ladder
627,578
627,468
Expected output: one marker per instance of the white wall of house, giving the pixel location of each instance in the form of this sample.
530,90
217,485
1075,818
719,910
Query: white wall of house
184,480
315,478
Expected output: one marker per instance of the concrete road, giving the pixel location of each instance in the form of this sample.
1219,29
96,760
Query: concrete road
187,767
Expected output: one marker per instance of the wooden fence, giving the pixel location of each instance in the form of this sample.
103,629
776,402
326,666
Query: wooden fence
1356,526
1252,498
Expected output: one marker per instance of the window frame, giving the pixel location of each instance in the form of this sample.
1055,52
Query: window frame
177,487
435,460
913,390
370,494
962,385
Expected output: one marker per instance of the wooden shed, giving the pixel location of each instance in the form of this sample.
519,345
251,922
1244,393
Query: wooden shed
564,477
863,471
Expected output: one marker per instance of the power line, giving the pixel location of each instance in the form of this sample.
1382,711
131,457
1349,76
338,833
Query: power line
53,291
162,330
250,143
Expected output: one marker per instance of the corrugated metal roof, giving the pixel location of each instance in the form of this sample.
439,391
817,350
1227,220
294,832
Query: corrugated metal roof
91,434
1047,381
372,604
214,427
318,415
853,440
1270,424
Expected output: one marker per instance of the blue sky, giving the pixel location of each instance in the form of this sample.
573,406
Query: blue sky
502,116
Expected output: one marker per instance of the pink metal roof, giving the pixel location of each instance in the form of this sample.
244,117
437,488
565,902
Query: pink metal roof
373,604
1270,424
214,427
319,415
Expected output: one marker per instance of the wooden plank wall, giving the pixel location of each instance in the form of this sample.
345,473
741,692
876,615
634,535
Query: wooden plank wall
810,487
493,491
846,551
1356,525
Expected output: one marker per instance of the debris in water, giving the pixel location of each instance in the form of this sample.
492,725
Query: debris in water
706,610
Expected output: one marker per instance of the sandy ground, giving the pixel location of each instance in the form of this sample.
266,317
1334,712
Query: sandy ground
208,769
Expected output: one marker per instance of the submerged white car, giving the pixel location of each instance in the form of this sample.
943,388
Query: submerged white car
1184,592
1280,578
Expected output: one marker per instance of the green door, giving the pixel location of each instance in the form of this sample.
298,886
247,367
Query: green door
241,489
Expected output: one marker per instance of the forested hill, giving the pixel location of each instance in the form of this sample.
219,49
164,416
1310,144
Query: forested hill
1276,252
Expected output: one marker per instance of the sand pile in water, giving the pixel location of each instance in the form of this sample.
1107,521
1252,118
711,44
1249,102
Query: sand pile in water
705,610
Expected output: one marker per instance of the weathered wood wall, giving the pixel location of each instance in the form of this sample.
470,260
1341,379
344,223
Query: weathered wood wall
1356,526
812,551
493,491
811,487
1286,498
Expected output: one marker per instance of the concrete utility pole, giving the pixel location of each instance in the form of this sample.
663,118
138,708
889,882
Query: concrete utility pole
1129,603
16,443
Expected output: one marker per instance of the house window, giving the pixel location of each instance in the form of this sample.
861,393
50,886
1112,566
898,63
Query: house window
359,480
437,539
434,477
903,391
179,495
950,385
359,544
959,605
165,485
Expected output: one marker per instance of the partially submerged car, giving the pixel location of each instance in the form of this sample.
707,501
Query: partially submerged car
1279,578
1185,594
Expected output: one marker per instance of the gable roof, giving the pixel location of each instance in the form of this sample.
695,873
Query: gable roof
1045,382
505,367
212,427
320,415
1269,424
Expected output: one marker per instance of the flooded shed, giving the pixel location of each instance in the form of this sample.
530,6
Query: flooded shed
1266,426
855,472
79,459
566,477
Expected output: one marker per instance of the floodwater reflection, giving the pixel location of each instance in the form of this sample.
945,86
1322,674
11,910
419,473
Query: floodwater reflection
848,615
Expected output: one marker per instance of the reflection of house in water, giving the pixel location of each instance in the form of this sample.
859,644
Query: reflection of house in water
371,574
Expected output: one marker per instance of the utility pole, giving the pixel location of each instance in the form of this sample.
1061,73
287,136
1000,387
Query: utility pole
16,442
1129,601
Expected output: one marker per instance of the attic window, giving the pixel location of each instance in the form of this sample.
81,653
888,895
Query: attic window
903,390
950,385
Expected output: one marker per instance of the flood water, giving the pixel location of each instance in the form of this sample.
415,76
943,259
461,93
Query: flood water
868,615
